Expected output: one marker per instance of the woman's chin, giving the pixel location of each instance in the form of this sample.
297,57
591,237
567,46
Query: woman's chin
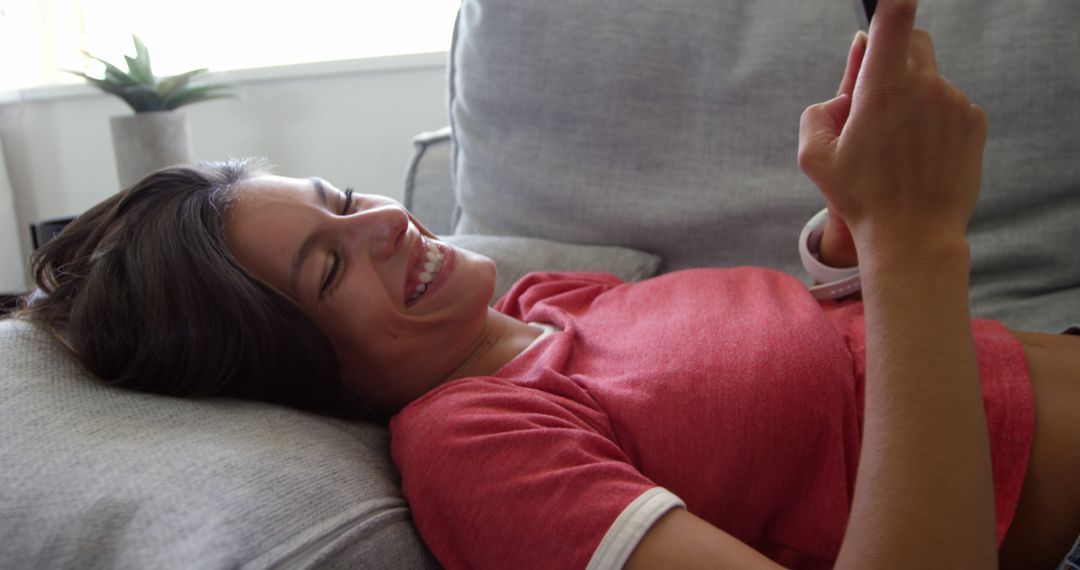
481,270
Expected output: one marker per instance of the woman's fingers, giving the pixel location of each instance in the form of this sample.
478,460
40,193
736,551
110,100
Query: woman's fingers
886,62
819,128
922,51
899,150
854,64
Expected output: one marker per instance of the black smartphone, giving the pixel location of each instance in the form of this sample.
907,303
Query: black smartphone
864,11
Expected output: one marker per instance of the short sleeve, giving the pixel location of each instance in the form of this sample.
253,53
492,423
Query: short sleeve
501,476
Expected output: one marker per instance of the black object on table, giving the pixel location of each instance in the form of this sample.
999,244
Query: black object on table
40,233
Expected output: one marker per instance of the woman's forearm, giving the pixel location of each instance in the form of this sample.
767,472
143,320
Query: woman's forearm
898,156
924,493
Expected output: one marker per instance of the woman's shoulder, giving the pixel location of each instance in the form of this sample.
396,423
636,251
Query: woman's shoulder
473,399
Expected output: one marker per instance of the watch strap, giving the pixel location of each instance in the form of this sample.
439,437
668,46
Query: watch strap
833,282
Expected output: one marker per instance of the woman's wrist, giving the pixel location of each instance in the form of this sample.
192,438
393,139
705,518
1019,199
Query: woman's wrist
924,253
918,274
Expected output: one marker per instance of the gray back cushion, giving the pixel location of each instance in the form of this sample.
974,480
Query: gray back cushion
672,127
99,477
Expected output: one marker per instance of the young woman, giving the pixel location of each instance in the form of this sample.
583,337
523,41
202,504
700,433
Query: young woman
701,419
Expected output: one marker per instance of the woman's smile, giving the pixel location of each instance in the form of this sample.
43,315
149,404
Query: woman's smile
432,265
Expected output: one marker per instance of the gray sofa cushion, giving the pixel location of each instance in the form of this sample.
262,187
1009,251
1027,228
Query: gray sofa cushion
99,477
516,256
672,127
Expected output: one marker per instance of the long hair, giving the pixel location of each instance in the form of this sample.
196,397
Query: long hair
146,292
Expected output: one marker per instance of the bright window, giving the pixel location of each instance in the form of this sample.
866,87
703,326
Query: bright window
38,38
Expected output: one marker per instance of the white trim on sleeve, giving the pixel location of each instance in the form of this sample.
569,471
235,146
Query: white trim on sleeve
630,527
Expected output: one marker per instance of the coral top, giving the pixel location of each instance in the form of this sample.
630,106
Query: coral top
731,392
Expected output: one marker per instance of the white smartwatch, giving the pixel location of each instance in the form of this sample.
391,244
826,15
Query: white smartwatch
833,282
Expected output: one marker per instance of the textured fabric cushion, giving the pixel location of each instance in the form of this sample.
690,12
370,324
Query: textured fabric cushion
672,127
516,256
98,477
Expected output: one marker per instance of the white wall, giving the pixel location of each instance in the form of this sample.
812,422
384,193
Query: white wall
348,122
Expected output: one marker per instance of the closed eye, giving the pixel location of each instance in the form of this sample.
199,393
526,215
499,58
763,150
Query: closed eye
336,265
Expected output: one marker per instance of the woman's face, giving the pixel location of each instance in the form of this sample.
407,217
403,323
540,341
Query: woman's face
400,308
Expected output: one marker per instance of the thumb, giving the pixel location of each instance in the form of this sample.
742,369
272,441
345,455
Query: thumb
819,128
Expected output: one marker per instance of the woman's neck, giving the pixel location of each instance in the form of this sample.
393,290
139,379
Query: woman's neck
501,340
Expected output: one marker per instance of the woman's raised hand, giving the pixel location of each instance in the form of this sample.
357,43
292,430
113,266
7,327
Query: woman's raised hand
903,172
837,247
898,154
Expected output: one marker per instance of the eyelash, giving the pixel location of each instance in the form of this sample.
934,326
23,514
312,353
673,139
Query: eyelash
337,254
348,201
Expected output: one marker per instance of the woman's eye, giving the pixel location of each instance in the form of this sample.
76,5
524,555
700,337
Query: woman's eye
334,266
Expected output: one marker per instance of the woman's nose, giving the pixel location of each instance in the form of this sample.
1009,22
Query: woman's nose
379,228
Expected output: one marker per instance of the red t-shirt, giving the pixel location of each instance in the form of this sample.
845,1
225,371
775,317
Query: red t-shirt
732,389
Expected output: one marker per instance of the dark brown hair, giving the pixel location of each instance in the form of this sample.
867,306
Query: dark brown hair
146,292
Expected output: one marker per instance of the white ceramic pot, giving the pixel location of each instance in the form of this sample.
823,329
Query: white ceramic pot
145,142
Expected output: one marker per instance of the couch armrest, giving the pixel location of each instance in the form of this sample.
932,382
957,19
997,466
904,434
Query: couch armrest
429,188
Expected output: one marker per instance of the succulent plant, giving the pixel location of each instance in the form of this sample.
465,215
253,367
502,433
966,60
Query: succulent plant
144,92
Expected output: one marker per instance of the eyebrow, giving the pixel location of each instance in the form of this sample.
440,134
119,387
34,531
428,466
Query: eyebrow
309,242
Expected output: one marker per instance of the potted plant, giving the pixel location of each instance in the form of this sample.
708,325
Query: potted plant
157,135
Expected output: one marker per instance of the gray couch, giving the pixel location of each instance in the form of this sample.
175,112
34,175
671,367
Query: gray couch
630,136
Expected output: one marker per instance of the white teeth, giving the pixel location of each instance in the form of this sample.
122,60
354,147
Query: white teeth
432,265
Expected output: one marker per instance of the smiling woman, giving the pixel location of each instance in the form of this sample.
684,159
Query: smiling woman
402,310
707,417
223,280
145,290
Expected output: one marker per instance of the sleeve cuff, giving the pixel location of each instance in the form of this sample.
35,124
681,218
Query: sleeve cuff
630,527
